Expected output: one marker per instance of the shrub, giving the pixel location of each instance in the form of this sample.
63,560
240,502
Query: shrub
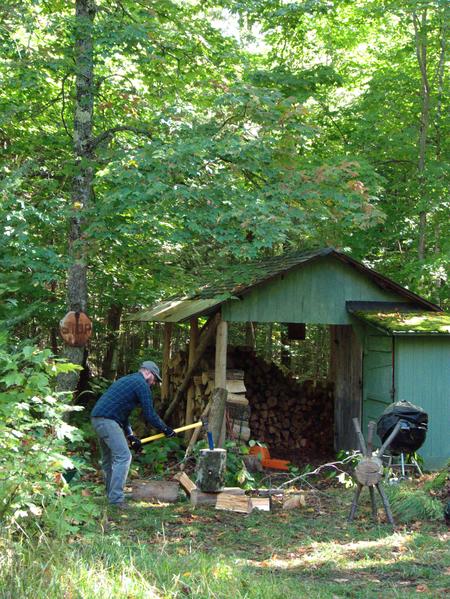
33,433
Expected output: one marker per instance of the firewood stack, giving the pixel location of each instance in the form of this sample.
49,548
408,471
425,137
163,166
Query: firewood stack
263,403
291,417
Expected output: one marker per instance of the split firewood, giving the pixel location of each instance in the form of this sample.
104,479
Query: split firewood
295,502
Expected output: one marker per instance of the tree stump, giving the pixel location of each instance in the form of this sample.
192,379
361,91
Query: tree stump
211,470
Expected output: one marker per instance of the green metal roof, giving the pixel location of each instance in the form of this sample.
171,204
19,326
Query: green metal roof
408,323
239,279
176,310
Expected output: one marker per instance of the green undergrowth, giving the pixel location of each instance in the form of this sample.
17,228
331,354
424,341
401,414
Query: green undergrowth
177,551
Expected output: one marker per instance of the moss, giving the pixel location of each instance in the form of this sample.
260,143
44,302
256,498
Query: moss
430,323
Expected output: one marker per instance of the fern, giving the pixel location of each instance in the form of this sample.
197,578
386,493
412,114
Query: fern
438,481
409,504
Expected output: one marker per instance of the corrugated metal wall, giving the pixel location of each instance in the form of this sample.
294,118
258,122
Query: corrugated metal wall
422,373
315,293
378,390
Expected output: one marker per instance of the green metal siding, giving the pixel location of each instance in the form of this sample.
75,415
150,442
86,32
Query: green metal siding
378,391
315,293
422,375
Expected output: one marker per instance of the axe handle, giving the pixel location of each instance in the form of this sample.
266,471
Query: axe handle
177,430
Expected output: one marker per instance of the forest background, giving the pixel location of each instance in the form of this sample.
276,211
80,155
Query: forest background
147,145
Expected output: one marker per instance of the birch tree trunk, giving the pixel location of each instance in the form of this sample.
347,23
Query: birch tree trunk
420,35
77,295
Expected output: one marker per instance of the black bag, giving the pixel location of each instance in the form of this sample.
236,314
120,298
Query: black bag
413,430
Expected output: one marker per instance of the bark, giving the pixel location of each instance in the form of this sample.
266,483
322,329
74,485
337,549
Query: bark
420,35
250,338
109,364
285,350
84,173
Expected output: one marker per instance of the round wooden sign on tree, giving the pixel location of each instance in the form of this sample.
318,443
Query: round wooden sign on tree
75,329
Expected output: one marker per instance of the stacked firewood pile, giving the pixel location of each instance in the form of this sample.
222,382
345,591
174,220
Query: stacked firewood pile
284,413
289,416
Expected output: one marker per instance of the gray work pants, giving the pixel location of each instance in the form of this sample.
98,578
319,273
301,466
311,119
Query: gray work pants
116,457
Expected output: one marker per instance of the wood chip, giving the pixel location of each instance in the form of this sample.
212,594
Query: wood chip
187,484
261,503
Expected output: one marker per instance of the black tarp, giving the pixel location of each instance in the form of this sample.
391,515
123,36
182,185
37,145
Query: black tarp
413,430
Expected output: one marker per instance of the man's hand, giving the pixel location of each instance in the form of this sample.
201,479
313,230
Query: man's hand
134,443
169,432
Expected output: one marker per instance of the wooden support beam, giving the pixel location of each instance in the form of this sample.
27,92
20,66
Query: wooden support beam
204,341
193,342
220,378
165,361
217,414
194,437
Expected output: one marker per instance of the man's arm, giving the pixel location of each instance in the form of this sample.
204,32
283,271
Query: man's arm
148,411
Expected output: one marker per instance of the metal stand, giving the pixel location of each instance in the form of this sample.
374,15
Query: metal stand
403,465
369,472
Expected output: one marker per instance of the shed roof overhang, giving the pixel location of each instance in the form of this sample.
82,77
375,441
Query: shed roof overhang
242,279
178,310
407,323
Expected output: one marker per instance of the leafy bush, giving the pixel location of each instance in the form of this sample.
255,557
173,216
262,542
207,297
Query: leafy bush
157,454
33,434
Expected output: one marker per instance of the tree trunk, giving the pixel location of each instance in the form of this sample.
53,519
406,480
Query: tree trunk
420,34
77,295
285,349
109,364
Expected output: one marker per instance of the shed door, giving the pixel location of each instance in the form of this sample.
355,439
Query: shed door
378,381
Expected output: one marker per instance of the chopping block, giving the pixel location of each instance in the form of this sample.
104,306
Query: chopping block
211,470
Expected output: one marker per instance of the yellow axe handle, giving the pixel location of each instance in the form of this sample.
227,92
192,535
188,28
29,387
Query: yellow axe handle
177,430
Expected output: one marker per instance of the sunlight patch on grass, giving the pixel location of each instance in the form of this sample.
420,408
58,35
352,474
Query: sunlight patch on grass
378,552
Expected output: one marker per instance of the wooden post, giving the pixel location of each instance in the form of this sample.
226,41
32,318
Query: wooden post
165,361
195,436
191,390
204,340
217,413
221,369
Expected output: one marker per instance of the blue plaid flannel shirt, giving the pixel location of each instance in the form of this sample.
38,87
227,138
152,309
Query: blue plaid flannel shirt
122,397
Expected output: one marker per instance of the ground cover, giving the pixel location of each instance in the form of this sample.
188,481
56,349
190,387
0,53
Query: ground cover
159,551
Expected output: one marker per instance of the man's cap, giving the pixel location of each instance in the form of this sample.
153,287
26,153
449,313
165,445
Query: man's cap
149,365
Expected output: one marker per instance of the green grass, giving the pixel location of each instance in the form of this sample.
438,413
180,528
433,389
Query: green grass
177,551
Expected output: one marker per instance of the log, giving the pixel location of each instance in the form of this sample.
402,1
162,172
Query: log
200,498
237,399
155,490
235,386
187,484
211,470
241,432
260,503
369,471
234,503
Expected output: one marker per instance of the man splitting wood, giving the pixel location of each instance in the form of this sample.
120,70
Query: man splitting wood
110,421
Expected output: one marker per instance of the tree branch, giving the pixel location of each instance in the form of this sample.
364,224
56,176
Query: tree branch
107,135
